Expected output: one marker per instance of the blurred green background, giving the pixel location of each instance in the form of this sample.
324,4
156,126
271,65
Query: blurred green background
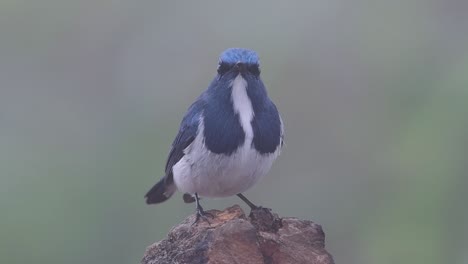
374,95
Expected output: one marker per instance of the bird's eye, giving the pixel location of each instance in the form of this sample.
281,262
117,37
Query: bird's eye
254,69
223,68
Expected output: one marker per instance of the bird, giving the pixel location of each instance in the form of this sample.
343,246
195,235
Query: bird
228,138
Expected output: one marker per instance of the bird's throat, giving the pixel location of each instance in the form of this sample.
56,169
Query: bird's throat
243,107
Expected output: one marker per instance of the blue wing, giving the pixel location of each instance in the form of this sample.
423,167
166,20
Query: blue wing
187,133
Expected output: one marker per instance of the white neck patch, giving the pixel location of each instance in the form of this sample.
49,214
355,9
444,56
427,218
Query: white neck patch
243,106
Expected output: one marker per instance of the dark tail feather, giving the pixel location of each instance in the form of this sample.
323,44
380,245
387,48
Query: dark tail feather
160,192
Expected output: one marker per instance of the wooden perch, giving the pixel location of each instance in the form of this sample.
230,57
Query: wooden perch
231,237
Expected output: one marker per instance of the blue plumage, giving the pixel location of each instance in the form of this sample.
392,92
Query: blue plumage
223,132
228,138
266,122
235,55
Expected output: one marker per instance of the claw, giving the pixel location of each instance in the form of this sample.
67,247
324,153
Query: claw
201,214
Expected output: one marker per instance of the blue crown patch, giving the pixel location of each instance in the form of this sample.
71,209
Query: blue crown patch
235,55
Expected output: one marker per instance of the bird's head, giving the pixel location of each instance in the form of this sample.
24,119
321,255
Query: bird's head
237,60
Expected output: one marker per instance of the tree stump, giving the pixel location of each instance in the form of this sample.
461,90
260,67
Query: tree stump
231,237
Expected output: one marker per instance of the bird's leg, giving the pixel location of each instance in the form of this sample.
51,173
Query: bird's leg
200,212
249,203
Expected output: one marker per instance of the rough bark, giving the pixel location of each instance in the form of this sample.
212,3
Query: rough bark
232,237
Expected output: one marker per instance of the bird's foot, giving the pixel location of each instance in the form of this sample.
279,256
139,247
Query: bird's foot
258,207
202,214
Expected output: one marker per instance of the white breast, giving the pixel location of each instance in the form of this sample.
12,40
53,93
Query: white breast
218,175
